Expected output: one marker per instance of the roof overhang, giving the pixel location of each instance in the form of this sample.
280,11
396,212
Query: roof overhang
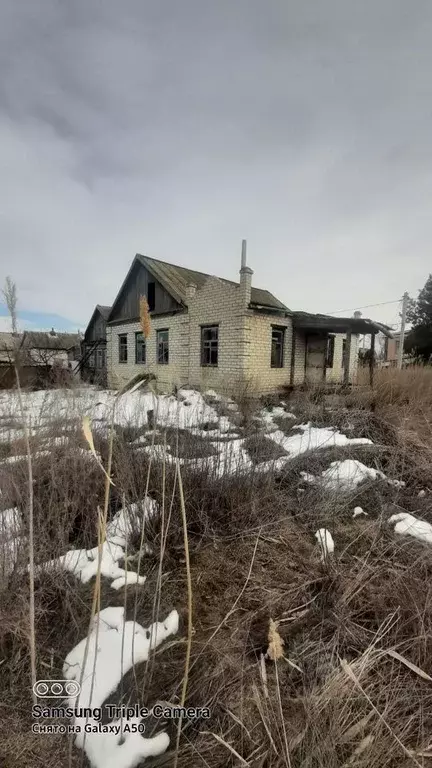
267,309
328,324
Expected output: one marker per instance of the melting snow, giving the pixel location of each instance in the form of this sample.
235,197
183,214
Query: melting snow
343,475
189,410
359,511
313,438
325,540
267,417
113,649
409,525
17,459
84,563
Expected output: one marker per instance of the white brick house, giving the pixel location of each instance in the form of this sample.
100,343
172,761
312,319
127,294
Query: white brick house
209,332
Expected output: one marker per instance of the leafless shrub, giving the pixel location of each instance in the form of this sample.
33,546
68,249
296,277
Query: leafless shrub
337,696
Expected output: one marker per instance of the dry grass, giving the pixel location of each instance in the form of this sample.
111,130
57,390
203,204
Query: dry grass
337,695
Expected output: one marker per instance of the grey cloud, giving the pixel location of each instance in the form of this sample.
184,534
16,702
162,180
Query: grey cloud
179,128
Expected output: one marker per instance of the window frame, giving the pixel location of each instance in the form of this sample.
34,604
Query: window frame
143,346
99,358
124,347
279,329
162,345
209,346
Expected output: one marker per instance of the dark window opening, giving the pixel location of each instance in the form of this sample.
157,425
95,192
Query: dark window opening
123,350
277,347
151,294
140,348
344,343
330,352
209,345
162,343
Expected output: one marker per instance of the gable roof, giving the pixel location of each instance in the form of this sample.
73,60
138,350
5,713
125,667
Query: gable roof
8,342
175,280
43,340
104,310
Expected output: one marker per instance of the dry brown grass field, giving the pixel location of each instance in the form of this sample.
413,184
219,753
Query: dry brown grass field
303,661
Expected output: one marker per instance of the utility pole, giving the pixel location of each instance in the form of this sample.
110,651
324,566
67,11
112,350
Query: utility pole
402,330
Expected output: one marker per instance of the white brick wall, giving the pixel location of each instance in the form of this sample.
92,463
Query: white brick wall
243,353
175,373
262,376
336,373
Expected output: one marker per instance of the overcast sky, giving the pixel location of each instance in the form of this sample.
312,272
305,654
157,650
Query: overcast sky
176,128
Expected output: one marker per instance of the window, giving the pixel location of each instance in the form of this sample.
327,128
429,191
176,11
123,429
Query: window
123,351
209,345
162,347
140,348
330,351
91,361
151,296
100,358
277,347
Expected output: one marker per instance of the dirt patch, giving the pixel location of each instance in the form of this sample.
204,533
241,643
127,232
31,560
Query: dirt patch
261,449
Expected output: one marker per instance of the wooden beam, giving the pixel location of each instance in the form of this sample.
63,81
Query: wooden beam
372,360
293,353
325,357
347,358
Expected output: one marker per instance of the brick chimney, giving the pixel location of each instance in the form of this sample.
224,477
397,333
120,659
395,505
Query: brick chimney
357,314
190,290
245,278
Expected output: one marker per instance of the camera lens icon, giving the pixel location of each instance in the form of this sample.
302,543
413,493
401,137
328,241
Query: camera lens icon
72,688
41,688
56,689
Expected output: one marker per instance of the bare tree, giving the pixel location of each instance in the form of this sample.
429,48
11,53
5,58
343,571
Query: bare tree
10,295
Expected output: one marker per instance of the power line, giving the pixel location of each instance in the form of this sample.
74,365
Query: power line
366,306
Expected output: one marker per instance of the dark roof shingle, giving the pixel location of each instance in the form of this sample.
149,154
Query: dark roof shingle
104,310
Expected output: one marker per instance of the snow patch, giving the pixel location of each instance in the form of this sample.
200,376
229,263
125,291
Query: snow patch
359,511
84,563
325,540
314,438
408,525
344,475
114,647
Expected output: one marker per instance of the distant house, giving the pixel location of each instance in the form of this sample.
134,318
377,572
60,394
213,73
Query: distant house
207,331
42,356
9,342
51,348
391,351
93,364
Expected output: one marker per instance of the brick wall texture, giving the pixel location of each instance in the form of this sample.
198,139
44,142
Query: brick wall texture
243,352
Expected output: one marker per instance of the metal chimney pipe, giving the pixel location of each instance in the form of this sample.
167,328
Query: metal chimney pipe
243,254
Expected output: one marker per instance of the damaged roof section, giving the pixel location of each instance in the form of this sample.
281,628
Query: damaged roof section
329,324
176,279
